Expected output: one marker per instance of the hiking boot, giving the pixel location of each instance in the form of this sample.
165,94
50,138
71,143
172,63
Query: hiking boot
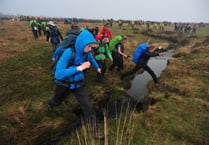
110,69
99,136
50,108
144,107
119,72
121,77
100,81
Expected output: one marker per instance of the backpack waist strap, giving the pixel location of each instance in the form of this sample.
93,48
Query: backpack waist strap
66,83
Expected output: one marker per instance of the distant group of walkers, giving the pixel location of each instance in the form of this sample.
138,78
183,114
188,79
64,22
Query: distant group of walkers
50,30
80,50
185,28
37,27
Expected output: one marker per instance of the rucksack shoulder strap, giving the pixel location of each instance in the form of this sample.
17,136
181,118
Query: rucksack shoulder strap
72,56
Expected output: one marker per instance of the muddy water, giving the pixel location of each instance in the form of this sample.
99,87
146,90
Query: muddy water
138,88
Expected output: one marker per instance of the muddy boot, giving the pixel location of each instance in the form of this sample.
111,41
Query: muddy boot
119,72
100,80
96,134
51,105
121,76
94,129
144,107
50,108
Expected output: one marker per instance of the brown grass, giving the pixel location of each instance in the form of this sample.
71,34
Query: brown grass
184,86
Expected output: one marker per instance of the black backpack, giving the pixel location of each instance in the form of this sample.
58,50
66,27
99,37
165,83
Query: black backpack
54,35
68,43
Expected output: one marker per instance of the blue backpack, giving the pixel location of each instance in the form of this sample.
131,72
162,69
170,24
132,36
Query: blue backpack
139,51
68,43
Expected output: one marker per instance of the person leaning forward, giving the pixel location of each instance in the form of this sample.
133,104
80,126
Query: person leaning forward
100,56
75,77
141,57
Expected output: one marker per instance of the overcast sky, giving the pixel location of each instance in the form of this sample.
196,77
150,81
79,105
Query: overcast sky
153,10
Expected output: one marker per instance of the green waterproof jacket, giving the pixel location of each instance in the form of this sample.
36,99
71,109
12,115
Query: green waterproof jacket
33,21
101,51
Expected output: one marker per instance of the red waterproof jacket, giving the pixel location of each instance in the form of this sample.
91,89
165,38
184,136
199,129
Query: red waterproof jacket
106,31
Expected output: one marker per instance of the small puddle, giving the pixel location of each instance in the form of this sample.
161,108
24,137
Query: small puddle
138,88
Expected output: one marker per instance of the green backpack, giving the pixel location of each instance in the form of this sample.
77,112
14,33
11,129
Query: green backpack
114,41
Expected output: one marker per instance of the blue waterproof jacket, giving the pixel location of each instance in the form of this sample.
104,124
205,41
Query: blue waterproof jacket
139,51
71,73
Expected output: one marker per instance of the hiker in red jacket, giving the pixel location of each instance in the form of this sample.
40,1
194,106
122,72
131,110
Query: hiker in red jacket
105,31
194,29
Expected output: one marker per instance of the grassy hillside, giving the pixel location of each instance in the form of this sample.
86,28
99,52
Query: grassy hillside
180,115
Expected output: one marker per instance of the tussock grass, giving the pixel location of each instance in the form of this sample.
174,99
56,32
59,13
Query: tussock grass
186,97
124,130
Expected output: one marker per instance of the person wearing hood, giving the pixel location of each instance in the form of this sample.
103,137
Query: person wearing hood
74,76
141,57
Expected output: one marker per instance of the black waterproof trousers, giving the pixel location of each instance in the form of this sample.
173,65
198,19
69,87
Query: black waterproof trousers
117,62
102,65
61,92
139,66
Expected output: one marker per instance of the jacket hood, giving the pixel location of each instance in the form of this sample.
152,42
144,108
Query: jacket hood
84,38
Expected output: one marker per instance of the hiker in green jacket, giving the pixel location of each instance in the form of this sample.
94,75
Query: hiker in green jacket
34,28
100,56
44,27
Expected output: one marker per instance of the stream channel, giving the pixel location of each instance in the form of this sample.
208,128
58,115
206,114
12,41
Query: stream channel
138,88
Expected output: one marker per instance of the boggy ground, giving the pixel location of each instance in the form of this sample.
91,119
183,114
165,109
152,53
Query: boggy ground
183,94
180,115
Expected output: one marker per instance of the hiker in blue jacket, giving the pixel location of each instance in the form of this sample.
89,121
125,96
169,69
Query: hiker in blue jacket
55,35
70,79
141,56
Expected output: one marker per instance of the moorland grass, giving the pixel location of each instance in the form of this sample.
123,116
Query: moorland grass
179,117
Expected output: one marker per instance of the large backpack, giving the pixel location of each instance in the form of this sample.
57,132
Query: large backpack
68,42
114,41
139,51
71,62
54,35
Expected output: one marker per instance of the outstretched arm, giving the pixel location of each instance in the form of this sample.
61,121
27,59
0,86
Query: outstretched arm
93,62
121,53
